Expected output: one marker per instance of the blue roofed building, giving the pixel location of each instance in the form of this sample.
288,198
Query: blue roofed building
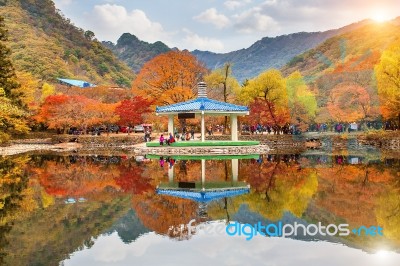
76,83
202,106
206,195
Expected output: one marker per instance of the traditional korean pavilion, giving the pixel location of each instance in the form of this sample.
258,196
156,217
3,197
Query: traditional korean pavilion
203,106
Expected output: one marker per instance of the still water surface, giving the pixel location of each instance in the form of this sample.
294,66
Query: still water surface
121,210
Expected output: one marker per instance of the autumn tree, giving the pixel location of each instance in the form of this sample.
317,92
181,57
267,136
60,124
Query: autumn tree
131,111
166,73
12,118
302,102
388,78
103,94
259,113
28,89
270,87
222,80
63,111
350,102
47,90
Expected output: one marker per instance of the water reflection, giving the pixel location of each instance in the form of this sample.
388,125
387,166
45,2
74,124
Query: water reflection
53,206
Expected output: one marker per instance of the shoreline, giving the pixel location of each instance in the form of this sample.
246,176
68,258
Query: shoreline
388,143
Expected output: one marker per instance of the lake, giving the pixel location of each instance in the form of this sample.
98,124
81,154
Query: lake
175,210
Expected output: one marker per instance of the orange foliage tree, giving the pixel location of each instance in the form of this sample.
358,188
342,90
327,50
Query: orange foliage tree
63,111
262,112
350,102
100,93
168,76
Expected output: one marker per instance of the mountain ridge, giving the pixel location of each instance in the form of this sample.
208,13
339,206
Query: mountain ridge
134,52
268,52
271,52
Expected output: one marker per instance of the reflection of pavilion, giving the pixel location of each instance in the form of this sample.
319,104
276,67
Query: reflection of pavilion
204,192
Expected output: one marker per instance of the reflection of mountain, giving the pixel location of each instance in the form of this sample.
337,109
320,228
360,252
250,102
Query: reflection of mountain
48,236
129,227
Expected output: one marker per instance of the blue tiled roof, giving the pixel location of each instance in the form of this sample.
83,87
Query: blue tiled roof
77,83
204,196
202,104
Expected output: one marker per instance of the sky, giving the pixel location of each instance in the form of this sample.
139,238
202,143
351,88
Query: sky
218,25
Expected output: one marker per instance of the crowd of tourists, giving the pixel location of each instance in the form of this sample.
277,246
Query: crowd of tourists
319,127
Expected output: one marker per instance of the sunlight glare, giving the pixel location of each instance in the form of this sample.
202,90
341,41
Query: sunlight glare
380,16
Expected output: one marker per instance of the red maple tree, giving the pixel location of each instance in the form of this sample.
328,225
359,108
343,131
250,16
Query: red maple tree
131,111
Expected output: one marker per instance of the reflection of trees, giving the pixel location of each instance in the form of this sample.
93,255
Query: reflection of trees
131,179
164,214
388,213
287,189
35,228
13,183
350,191
76,179
88,176
388,209
277,186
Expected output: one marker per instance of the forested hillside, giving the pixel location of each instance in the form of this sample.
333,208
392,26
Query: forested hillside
48,45
355,50
355,75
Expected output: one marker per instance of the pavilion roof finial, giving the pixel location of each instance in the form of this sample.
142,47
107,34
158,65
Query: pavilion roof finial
201,90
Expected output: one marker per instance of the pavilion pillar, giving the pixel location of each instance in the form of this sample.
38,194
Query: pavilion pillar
235,170
203,173
171,175
234,128
203,130
170,124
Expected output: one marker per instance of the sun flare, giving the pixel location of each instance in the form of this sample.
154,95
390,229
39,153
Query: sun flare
380,16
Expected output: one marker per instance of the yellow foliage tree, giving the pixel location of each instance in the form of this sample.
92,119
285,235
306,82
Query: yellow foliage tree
12,118
302,101
388,79
29,86
269,87
47,90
